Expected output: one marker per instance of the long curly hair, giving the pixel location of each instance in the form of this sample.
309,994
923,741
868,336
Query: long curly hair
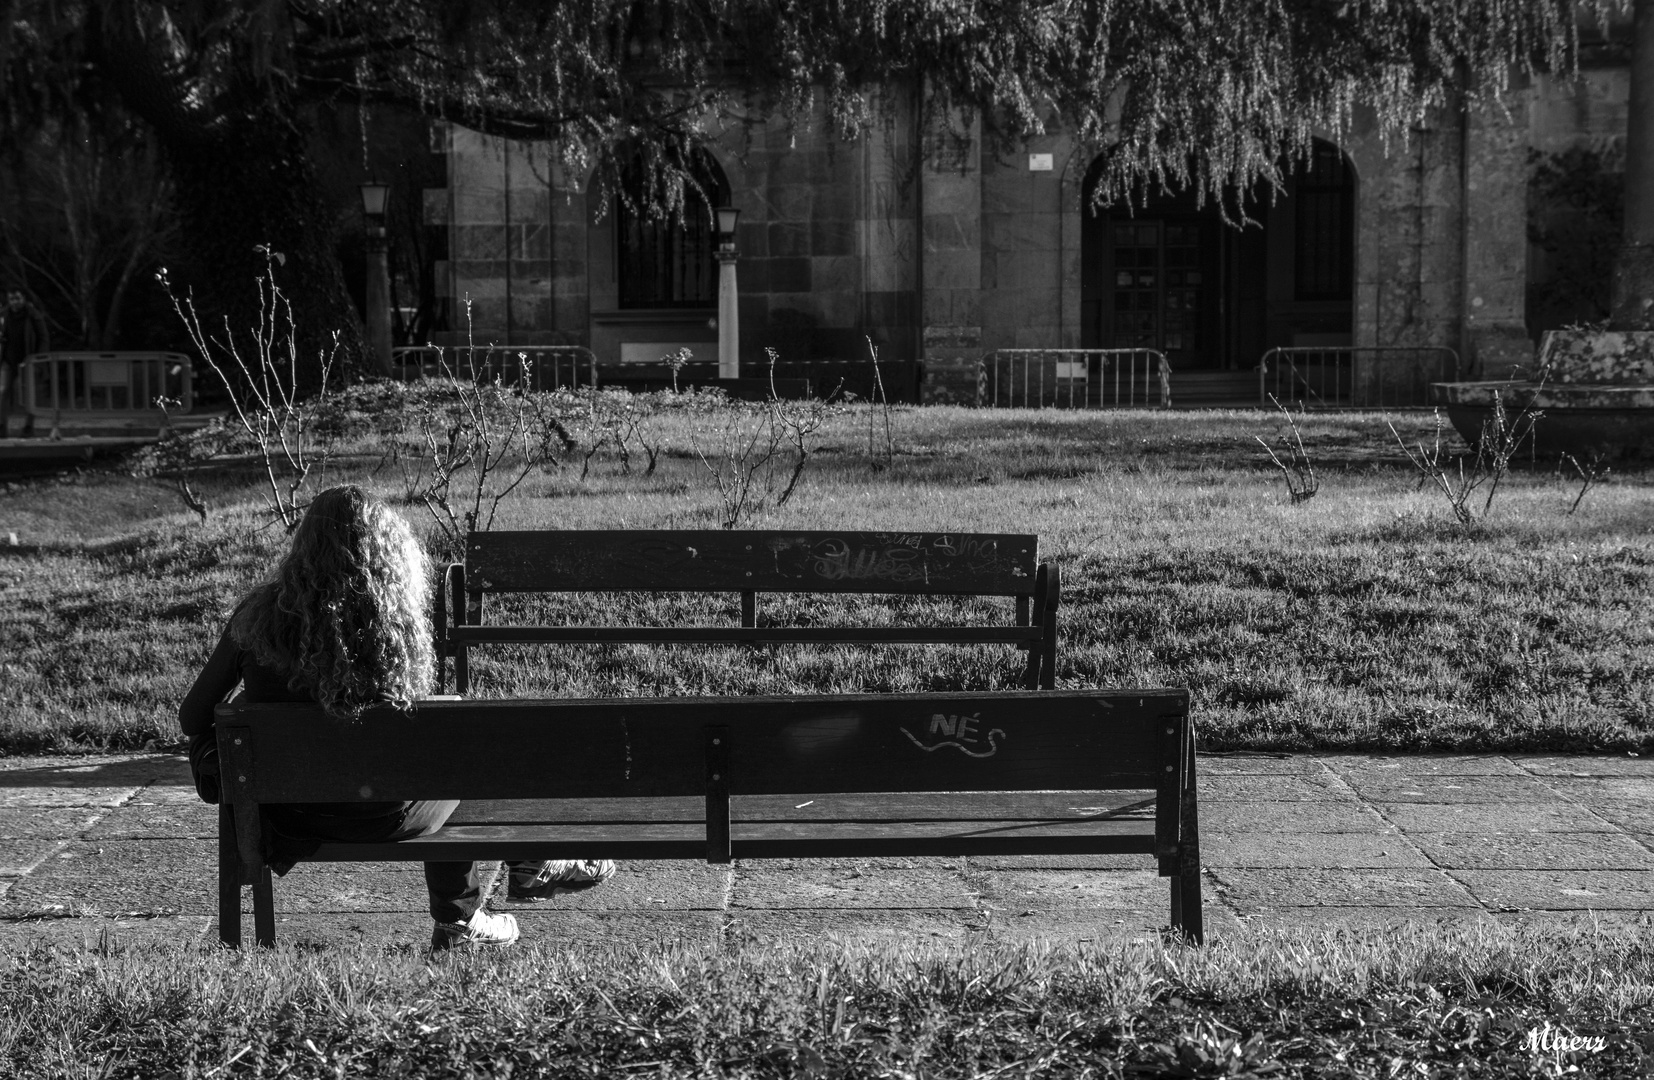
345,612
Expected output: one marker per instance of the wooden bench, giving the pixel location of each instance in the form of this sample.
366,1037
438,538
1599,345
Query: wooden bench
731,778
750,563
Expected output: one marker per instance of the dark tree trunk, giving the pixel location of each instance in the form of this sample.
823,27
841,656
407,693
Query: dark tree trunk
1634,269
247,186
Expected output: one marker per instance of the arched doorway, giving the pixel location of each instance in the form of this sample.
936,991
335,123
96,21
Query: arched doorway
1171,275
668,262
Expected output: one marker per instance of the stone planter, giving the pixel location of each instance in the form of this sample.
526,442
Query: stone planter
1597,395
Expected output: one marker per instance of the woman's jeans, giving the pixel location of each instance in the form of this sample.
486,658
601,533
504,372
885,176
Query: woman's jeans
455,887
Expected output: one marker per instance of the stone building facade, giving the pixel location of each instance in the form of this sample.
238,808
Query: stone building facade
932,245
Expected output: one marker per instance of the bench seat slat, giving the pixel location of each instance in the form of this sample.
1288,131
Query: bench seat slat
737,635
774,839
921,806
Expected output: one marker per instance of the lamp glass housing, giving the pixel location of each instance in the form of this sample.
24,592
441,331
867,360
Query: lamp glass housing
727,217
374,197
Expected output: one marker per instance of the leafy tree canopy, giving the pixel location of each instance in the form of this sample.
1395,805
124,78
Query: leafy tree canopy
1210,92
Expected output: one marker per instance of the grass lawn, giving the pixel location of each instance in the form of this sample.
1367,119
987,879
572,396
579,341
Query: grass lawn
1484,1001
1364,618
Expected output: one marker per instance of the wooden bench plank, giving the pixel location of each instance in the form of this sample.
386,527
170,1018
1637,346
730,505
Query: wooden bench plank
822,806
626,560
1006,740
745,635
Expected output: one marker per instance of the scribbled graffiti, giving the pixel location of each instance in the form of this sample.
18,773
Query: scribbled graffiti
836,560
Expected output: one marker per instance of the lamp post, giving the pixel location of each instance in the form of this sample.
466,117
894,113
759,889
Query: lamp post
374,197
729,316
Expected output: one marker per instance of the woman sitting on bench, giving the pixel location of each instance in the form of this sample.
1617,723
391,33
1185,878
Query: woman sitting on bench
343,622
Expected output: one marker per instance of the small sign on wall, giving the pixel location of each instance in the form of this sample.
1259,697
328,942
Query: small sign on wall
1041,162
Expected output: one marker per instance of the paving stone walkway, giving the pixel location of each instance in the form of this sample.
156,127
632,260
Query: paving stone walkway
120,844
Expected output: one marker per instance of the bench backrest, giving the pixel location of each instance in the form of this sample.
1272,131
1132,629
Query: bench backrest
978,564
998,741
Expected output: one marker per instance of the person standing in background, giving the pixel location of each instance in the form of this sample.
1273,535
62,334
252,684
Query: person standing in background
23,333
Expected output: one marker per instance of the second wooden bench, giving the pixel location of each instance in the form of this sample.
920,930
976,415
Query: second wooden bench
750,563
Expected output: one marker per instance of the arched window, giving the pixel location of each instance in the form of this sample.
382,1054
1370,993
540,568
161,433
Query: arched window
668,261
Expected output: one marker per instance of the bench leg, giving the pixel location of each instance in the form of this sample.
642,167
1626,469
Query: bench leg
264,908
229,879
462,671
1186,910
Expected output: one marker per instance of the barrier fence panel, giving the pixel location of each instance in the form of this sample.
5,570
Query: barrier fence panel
549,366
1075,379
107,384
1355,377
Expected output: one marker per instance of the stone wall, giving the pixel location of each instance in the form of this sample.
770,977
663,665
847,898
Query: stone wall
968,249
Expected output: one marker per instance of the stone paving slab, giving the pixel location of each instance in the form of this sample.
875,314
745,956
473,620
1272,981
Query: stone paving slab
1541,851
1555,817
761,887
157,821
1015,891
1603,765
1356,841
1253,787
18,857
1561,890
1249,890
1402,787
1286,850
92,933
1299,817
23,823
1421,765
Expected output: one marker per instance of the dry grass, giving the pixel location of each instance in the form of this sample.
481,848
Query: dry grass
1424,1001
1364,618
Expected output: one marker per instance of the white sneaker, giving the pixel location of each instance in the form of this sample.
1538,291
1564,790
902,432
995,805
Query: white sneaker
529,882
483,928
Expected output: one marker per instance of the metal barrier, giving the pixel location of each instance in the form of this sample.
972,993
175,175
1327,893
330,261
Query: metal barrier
549,366
107,384
1355,377
1076,379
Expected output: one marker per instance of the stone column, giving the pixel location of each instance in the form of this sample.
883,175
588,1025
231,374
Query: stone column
729,318
950,179
1634,269
1495,335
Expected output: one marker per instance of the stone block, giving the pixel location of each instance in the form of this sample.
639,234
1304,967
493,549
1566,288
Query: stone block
835,274
1006,309
952,337
952,195
833,237
474,243
531,241
762,927
1021,232
1251,787
778,275
837,201
1605,357
1027,272
1397,787
752,238
948,233
789,238
787,202
1294,817
1079,891
953,270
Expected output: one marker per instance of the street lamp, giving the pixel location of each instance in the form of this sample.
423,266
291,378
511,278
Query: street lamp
374,197
729,317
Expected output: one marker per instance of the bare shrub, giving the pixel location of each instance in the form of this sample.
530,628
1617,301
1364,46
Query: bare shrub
261,377
478,447
1458,481
1301,483
880,403
1592,472
755,452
